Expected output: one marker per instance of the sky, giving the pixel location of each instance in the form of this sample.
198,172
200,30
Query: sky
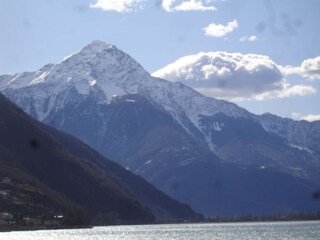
261,54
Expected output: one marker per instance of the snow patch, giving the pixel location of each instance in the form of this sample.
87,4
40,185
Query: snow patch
148,162
216,126
21,80
41,78
301,148
67,57
92,83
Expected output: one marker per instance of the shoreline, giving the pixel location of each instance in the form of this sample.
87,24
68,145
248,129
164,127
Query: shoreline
39,228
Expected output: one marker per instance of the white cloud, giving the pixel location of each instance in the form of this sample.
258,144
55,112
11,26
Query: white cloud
290,70
219,30
309,68
309,117
286,91
232,76
251,38
312,118
188,5
120,6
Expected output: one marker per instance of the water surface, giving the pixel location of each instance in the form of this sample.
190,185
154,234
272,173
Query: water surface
225,231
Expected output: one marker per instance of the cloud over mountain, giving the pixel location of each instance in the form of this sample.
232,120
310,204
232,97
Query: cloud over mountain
232,76
308,117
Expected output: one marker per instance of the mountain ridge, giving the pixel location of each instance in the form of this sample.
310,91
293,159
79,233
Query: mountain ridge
65,173
155,127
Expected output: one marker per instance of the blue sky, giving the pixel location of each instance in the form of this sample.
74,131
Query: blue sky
279,34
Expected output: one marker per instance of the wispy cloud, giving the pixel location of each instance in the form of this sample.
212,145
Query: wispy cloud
251,38
188,5
219,30
121,6
233,76
308,117
309,68
286,90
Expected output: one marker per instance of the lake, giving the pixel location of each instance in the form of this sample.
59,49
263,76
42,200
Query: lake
210,231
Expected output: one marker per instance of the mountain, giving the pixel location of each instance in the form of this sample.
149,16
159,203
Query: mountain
209,153
52,172
300,134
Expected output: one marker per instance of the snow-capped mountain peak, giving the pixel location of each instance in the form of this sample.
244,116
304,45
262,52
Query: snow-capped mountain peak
102,71
97,65
102,64
97,46
89,51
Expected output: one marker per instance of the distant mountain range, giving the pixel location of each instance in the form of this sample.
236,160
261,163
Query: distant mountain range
51,172
212,154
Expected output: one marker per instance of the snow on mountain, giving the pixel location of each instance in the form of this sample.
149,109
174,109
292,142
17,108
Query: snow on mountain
165,131
105,72
302,134
102,68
